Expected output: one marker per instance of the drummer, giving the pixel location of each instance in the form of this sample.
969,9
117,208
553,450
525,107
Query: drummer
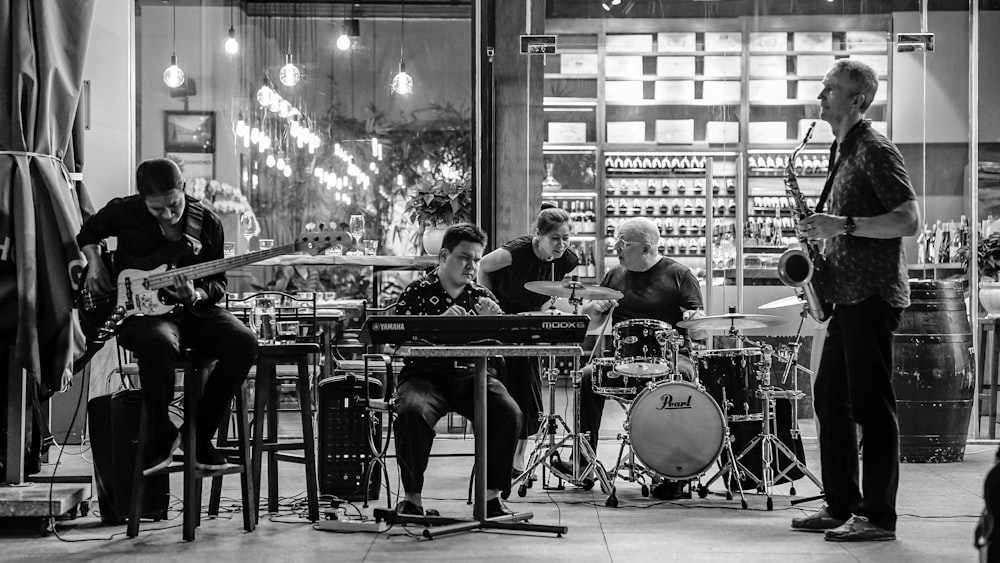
544,256
654,287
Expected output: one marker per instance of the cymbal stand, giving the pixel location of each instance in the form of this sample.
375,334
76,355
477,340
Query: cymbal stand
547,447
768,439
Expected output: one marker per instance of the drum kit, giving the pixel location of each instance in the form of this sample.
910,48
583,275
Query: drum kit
677,426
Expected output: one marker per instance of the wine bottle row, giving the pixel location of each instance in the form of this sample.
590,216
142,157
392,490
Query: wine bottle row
664,187
663,207
764,203
669,246
582,214
667,226
775,164
683,162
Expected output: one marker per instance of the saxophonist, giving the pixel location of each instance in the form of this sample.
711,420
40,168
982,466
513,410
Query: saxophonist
870,206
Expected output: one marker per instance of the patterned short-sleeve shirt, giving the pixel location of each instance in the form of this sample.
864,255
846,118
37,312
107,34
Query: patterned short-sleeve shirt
869,180
426,296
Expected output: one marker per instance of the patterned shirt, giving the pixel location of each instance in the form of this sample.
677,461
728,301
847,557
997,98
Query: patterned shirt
869,179
426,296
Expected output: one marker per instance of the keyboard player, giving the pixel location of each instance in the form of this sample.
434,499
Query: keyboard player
430,387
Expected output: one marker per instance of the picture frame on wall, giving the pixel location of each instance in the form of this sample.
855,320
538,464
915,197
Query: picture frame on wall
188,131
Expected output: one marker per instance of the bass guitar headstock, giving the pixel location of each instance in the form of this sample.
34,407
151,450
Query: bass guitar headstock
315,241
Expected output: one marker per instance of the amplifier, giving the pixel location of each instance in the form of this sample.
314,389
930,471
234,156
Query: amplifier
345,428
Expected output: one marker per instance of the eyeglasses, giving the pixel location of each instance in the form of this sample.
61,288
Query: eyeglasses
622,243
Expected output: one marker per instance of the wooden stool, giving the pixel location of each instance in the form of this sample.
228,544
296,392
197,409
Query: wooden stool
989,367
266,404
194,366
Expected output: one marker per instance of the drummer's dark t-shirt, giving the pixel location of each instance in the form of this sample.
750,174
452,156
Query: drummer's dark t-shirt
662,292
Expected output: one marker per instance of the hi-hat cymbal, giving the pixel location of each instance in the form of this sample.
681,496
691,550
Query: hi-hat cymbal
737,321
790,301
571,288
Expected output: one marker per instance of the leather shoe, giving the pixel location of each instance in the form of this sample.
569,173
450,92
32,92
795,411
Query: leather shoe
859,529
410,508
819,521
496,508
669,490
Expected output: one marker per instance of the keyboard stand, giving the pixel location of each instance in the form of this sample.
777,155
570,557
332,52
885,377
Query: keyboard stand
480,353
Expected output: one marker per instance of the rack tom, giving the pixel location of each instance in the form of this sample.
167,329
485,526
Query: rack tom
640,347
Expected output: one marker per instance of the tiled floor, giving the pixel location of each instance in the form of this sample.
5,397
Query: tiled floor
938,506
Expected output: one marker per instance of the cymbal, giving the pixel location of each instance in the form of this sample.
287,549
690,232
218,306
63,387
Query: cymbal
572,289
790,301
737,321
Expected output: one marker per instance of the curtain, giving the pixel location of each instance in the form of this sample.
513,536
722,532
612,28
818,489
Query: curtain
43,201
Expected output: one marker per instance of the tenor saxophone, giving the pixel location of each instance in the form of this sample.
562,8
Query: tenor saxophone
802,268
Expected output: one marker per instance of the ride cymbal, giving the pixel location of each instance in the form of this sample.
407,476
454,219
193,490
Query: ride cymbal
572,289
737,321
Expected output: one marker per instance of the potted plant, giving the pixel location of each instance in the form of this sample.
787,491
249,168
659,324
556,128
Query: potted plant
988,258
440,197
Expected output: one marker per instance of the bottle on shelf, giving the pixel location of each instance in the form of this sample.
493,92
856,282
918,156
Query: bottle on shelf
623,206
681,188
636,187
611,188
651,187
610,208
650,206
591,271
664,206
715,187
550,184
636,207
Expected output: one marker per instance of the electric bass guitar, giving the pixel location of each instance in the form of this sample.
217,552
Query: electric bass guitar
140,292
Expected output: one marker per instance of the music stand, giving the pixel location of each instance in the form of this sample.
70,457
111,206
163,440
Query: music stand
480,521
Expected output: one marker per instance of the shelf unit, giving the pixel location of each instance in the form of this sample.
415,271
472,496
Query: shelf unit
745,87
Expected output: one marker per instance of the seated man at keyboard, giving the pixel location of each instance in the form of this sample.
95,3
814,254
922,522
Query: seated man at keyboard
430,388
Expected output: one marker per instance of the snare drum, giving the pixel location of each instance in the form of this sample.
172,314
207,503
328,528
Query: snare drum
638,348
732,377
676,429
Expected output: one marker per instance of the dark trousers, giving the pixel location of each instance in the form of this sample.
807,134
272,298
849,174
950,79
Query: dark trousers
523,381
854,386
424,396
157,343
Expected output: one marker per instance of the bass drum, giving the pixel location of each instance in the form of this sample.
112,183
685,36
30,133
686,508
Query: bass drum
676,429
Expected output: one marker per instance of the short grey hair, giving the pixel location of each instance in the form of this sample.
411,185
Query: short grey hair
862,77
640,229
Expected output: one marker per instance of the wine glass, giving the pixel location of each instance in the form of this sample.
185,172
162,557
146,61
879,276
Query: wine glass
249,225
357,230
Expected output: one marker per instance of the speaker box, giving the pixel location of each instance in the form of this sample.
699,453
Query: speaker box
345,428
114,437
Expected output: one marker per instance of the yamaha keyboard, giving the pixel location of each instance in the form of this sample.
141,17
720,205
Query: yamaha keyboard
505,329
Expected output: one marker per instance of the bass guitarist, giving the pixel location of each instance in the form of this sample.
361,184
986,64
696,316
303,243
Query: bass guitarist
163,225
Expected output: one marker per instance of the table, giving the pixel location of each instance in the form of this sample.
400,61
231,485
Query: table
480,353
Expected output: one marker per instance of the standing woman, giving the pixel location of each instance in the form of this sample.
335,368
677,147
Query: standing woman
545,256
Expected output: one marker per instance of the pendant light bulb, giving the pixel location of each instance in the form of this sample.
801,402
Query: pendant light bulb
343,42
264,94
231,45
289,74
173,76
269,161
402,83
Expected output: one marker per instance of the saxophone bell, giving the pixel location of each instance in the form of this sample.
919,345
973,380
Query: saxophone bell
795,268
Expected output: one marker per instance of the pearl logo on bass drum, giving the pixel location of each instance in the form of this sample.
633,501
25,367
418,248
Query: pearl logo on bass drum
667,402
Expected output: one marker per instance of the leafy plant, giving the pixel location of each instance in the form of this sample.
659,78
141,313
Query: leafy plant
987,255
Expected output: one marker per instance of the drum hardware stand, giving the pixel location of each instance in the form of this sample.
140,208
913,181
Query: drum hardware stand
768,439
546,451
733,467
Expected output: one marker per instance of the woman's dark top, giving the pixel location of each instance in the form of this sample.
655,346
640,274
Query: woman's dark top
508,283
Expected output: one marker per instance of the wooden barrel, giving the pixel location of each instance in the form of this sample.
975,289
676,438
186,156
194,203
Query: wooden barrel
933,373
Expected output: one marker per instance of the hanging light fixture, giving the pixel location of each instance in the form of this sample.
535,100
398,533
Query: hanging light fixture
264,93
173,76
350,31
289,74
402,83
232,46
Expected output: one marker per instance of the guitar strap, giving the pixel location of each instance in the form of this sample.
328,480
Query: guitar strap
192,230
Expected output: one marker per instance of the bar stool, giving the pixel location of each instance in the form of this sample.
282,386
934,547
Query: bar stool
266,405
195,366
266,397
989,368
